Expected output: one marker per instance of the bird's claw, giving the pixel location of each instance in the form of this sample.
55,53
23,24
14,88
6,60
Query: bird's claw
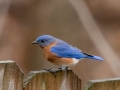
51,71
60,68
66,69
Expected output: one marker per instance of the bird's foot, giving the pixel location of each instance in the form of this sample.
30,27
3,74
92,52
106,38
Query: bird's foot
64,68
60,68
67,69
51,71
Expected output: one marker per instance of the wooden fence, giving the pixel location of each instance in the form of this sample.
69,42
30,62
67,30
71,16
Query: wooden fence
11,78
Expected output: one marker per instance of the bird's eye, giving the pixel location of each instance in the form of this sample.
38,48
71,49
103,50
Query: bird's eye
42,41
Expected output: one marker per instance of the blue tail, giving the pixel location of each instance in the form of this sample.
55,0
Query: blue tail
93,57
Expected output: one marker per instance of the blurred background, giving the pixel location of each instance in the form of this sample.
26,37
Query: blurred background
91,25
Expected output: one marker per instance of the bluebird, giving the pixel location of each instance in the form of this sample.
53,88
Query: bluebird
61,53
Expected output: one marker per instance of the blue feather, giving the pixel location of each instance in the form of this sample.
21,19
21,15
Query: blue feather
62,49
93,57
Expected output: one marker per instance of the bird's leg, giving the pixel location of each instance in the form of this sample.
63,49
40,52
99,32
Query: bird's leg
64,68
51,71
67,69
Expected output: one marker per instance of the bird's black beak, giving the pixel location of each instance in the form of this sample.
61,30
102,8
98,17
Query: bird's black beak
34,42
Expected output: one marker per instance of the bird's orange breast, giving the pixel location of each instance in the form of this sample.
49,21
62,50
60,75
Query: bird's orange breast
47,51
54,58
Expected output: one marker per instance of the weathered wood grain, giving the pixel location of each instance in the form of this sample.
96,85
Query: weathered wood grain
106,84
44,80
11,77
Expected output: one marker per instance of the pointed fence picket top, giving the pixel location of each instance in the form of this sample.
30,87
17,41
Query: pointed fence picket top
11,77
105,84
44,80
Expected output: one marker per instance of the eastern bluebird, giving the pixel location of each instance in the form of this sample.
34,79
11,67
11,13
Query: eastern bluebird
61,53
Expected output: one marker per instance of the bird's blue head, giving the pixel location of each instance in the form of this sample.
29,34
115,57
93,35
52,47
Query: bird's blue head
44,40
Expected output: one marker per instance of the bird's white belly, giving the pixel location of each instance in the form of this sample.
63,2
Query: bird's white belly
75,61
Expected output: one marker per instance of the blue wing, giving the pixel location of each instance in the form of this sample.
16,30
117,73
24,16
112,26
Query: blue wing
67,51
62,49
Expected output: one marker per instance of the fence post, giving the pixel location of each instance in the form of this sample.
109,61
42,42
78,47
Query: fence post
11,77
44,80
106,84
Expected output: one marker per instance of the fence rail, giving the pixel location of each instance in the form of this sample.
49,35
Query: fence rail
11,78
